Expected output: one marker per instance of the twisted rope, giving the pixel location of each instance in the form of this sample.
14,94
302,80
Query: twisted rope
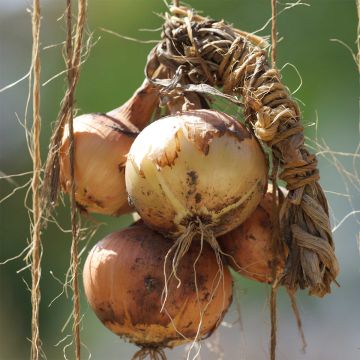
50,187
216,54
35,185
73,62
73,52
275,236
73,73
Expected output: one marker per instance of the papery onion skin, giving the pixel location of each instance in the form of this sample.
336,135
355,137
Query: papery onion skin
100,156
124,279
102,142
249,246
199,164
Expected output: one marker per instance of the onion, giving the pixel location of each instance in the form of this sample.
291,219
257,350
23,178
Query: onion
249,246
192,167
124,280
102,142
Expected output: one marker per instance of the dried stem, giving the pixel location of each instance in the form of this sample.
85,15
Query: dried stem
36,226
296,312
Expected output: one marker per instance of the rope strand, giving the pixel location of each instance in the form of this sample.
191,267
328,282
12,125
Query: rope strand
35,185
73,62
74,253
275,210
275,237
273,33
273,318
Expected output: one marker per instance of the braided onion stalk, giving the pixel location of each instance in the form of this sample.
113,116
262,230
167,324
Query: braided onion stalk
204,52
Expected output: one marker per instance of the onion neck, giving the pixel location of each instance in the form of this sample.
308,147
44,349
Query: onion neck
139,108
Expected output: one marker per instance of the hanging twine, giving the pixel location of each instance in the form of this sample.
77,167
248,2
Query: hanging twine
275,236
35,185
73,52
73,62
51,184
73,67
214,53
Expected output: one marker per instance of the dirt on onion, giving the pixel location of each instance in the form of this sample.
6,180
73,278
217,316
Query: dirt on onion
124,281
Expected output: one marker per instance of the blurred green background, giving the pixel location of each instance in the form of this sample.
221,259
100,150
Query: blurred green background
112,71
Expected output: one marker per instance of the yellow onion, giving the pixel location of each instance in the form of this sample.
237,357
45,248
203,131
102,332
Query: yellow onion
102,142
124,281
194,167
249,246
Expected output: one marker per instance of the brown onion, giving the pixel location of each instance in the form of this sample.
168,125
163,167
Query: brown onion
249,246
102,142
124,282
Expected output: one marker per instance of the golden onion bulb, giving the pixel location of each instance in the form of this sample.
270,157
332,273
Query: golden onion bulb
196,166
102,142
249,246
124,281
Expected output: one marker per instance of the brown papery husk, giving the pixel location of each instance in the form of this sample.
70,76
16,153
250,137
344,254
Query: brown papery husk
249,246
124,281
128,120
101,145
214,53
102,142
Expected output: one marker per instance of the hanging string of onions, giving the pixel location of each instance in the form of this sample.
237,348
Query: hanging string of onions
198,179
